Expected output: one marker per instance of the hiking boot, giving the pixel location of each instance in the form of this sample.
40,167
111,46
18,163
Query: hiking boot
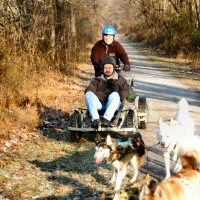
95,123
106,123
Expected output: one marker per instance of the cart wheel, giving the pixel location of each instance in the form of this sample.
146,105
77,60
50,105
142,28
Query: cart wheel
130,120
75,136
142,107
141,104
143,125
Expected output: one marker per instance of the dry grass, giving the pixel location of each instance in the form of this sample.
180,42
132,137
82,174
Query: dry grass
53,90
29,159
31,83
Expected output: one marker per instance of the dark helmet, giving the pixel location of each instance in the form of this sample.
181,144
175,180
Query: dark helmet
109,30
109,60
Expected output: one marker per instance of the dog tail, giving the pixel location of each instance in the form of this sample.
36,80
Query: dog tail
183,104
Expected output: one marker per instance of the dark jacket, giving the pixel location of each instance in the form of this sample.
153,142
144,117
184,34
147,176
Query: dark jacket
101,50
100,87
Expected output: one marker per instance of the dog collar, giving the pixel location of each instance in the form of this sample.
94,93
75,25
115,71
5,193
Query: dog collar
123,143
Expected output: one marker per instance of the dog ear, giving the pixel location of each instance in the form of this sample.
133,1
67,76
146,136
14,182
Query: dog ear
172,122
152,185
108,140
98,138
189,162
160,194
160,120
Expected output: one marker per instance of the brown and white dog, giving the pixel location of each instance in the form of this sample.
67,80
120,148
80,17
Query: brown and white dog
185,185
120,154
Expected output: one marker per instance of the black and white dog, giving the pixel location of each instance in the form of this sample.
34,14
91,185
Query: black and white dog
120,154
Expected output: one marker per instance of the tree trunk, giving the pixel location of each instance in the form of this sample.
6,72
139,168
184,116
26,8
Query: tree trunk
197,9
53,29
73,21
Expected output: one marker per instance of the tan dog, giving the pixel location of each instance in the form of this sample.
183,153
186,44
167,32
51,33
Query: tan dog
183,186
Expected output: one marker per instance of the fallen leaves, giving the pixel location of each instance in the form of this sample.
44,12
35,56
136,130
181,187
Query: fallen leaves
46,165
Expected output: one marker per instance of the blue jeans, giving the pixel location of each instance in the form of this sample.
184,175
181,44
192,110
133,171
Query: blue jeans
110,107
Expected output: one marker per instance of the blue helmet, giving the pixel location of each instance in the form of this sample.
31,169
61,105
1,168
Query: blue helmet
109,30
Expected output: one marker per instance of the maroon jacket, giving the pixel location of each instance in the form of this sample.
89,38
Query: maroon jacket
101,50
99,87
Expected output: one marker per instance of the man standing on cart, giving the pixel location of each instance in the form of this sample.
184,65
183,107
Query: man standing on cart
108,46
106,92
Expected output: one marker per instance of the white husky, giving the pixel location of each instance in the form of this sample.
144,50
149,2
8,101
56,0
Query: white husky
171,135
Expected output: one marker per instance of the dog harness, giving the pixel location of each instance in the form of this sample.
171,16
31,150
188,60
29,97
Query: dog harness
122,143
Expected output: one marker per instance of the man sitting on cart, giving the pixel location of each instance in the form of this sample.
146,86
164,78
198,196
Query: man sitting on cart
106,92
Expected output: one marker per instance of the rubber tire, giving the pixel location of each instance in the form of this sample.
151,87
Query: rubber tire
75,136
142,106
130,121
143,125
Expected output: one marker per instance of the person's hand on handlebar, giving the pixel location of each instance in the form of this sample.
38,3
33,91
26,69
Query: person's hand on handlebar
99,67
127,68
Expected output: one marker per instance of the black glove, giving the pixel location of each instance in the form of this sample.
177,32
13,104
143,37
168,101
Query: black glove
112,86
98,69
127,68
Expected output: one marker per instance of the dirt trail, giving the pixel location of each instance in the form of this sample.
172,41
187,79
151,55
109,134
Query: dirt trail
53,168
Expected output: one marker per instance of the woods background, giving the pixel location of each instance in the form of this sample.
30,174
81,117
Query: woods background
42,37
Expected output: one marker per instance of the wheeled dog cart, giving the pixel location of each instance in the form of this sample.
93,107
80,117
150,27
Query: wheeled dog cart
130,117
